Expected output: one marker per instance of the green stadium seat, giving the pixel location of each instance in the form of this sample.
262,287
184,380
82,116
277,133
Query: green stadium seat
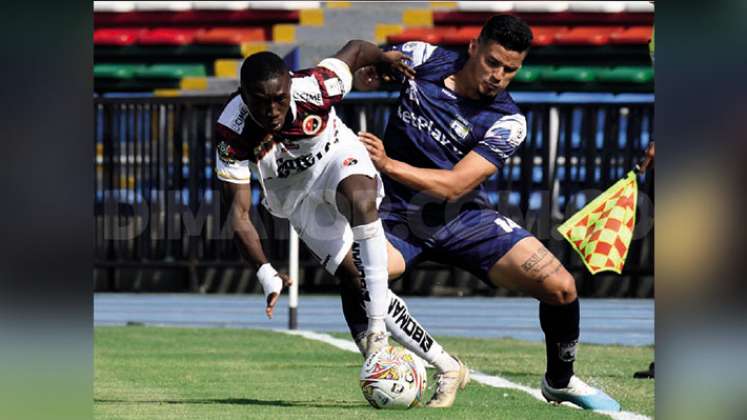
171,71
117,71
577,74
624,74
530,74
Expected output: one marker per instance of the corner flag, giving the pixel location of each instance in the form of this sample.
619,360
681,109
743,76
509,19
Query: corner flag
601,231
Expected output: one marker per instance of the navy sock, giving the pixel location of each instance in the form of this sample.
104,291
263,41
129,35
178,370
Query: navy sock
560,324
353,310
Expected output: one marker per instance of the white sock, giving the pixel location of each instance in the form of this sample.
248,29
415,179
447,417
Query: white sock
408,332
370,259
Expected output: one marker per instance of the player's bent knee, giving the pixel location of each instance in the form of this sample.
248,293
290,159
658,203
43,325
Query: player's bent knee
561,289
395,262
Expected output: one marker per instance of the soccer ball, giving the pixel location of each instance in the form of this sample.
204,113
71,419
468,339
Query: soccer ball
393,378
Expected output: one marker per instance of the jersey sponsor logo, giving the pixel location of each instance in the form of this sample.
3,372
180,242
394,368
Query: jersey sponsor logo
288,167
334,86
358,263
398,312
350,161
238,122
314,98
459,128
421,123
306,89
311,125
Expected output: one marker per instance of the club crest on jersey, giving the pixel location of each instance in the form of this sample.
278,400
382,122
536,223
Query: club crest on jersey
459,128
226,153
311,125
349,161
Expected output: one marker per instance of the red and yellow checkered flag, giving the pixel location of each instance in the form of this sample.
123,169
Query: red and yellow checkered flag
601,231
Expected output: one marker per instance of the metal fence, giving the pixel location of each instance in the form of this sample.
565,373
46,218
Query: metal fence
160,223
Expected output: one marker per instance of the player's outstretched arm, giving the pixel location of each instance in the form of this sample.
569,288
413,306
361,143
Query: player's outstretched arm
239,199
357,54
447,184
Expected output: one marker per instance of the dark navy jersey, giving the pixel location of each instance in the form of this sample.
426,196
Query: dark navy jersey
434,128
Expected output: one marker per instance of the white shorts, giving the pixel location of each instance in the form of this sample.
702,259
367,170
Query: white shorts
324,230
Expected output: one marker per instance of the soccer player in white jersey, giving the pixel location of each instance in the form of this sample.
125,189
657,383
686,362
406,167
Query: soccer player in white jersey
314,172
454,127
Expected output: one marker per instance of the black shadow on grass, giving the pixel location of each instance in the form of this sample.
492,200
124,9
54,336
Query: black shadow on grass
244,401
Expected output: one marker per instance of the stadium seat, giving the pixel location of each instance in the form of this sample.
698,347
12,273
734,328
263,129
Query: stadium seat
172,6
117,71
461,36
577,74
545,35
634,35
530,74
113,6
586,35
171,71
624,74
430,35
596,6
231,36
540,6
169,36
117,36
221,5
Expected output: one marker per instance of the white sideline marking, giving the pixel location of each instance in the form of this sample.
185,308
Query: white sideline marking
490,380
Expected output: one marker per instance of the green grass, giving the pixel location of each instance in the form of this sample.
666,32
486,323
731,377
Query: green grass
175,373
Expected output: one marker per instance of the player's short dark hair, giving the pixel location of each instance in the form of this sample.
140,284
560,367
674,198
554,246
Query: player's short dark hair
262,66
509,31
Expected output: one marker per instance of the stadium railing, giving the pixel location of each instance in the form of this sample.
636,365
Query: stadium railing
160,223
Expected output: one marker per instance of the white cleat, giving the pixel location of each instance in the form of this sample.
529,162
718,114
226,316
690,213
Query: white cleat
581,394
447,385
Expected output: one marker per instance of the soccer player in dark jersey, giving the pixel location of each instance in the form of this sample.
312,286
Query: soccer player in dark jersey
455,126
282,127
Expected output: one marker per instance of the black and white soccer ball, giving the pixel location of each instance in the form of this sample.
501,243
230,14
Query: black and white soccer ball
393,378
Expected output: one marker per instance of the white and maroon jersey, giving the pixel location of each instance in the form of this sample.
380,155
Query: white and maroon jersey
288,162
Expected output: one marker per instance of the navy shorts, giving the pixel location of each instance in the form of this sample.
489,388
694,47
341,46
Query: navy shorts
474,240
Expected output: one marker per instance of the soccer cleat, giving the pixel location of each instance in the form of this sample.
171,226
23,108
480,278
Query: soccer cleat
375,341
447,385
580,393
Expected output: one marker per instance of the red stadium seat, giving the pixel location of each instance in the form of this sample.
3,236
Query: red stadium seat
195,17
587,35
545,35
429,35
117,36
169,36
633,35
230,36
462,36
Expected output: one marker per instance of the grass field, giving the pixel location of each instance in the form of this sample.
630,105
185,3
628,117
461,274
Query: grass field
180,373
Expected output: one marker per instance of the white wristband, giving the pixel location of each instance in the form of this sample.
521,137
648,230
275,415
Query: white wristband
269,279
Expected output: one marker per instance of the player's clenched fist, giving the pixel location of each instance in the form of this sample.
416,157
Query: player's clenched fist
375,148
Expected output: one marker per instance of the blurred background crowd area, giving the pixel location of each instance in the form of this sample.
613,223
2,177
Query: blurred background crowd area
162,71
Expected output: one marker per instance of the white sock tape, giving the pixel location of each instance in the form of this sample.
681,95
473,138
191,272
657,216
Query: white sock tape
269,279
370,230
